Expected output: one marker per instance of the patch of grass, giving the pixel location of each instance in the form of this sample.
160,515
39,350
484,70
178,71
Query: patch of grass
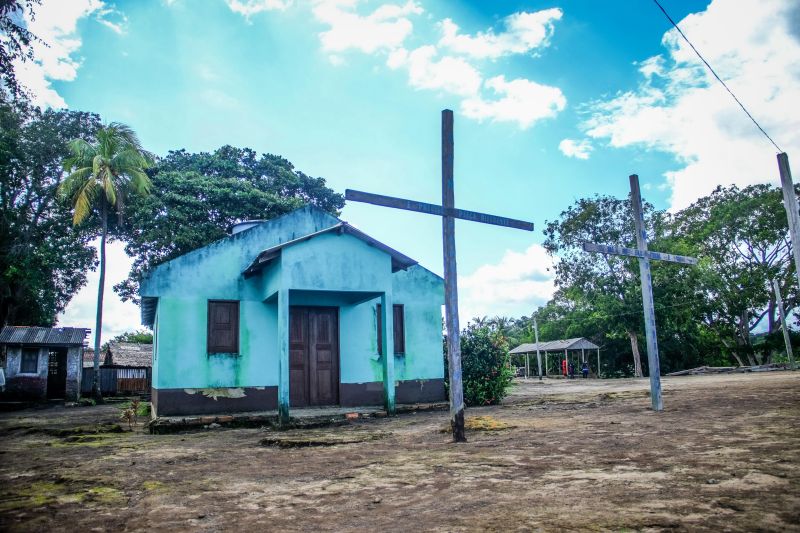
485,423
108,495
153,486
143,408
41,493
482,423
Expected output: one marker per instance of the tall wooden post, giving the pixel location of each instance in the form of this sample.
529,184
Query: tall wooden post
283,356
387,348
538,353
782,315
653,364
451,282
790,204
527,365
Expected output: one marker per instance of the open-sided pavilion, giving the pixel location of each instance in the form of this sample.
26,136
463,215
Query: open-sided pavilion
563,348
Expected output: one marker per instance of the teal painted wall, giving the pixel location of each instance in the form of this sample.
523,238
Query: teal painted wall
329,270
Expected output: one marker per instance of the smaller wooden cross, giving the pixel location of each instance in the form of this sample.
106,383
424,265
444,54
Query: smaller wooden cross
449,213
644,255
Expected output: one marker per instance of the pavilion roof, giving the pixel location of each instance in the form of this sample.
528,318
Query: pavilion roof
578,343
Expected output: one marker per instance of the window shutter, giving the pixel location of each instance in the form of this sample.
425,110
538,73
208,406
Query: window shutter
399,329
29,364
223,327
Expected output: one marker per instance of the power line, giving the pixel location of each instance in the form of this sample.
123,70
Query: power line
717,76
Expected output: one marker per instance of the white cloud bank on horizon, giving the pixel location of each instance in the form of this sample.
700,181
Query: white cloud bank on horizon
55,23
516,285
679,108
118,316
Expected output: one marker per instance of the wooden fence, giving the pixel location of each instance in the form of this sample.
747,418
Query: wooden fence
118,380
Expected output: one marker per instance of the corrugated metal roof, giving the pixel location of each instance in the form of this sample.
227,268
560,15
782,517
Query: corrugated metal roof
578,343
399,261
43,336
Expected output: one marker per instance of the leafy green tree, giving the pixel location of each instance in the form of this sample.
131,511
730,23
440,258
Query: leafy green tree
140,336
197,197
103,173
485,365
606,287
15,42
43,262
743,234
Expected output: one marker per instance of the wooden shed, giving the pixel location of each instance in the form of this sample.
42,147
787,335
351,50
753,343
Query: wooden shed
43,363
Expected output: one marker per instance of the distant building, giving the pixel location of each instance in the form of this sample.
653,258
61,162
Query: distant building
43,363
125,368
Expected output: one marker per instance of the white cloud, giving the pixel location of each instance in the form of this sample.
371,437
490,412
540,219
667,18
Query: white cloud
385,29
524,32
247,8
118,316
522,101
55,24
516,285
679,108
425,71
577,149
448,67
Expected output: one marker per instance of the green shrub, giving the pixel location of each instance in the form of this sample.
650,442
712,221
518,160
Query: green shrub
485,365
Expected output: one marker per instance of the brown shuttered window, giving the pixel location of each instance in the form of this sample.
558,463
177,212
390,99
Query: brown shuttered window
399,330
223,326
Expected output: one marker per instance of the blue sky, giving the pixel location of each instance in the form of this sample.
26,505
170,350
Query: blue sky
553,101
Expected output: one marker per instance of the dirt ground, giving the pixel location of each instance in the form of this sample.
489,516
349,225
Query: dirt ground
723,456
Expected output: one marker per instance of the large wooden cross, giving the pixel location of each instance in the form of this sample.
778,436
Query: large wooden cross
449,213
644,255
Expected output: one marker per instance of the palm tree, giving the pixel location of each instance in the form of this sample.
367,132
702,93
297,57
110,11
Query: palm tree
101,174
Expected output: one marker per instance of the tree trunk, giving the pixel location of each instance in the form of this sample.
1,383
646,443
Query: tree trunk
98,325
744,337
637,359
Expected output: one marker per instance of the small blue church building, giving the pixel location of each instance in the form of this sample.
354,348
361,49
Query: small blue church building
303,310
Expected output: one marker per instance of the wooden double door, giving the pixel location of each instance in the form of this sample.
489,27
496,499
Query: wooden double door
313,356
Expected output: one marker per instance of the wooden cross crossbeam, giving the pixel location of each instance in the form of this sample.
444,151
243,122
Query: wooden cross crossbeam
449,213
635,252
644,255
434,209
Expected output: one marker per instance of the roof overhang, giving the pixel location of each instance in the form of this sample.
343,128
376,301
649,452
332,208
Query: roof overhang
148,308
399,261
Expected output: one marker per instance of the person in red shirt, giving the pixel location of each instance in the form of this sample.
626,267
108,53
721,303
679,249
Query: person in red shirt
564,367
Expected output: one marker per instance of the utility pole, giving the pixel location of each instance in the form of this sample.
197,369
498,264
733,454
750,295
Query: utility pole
790,204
